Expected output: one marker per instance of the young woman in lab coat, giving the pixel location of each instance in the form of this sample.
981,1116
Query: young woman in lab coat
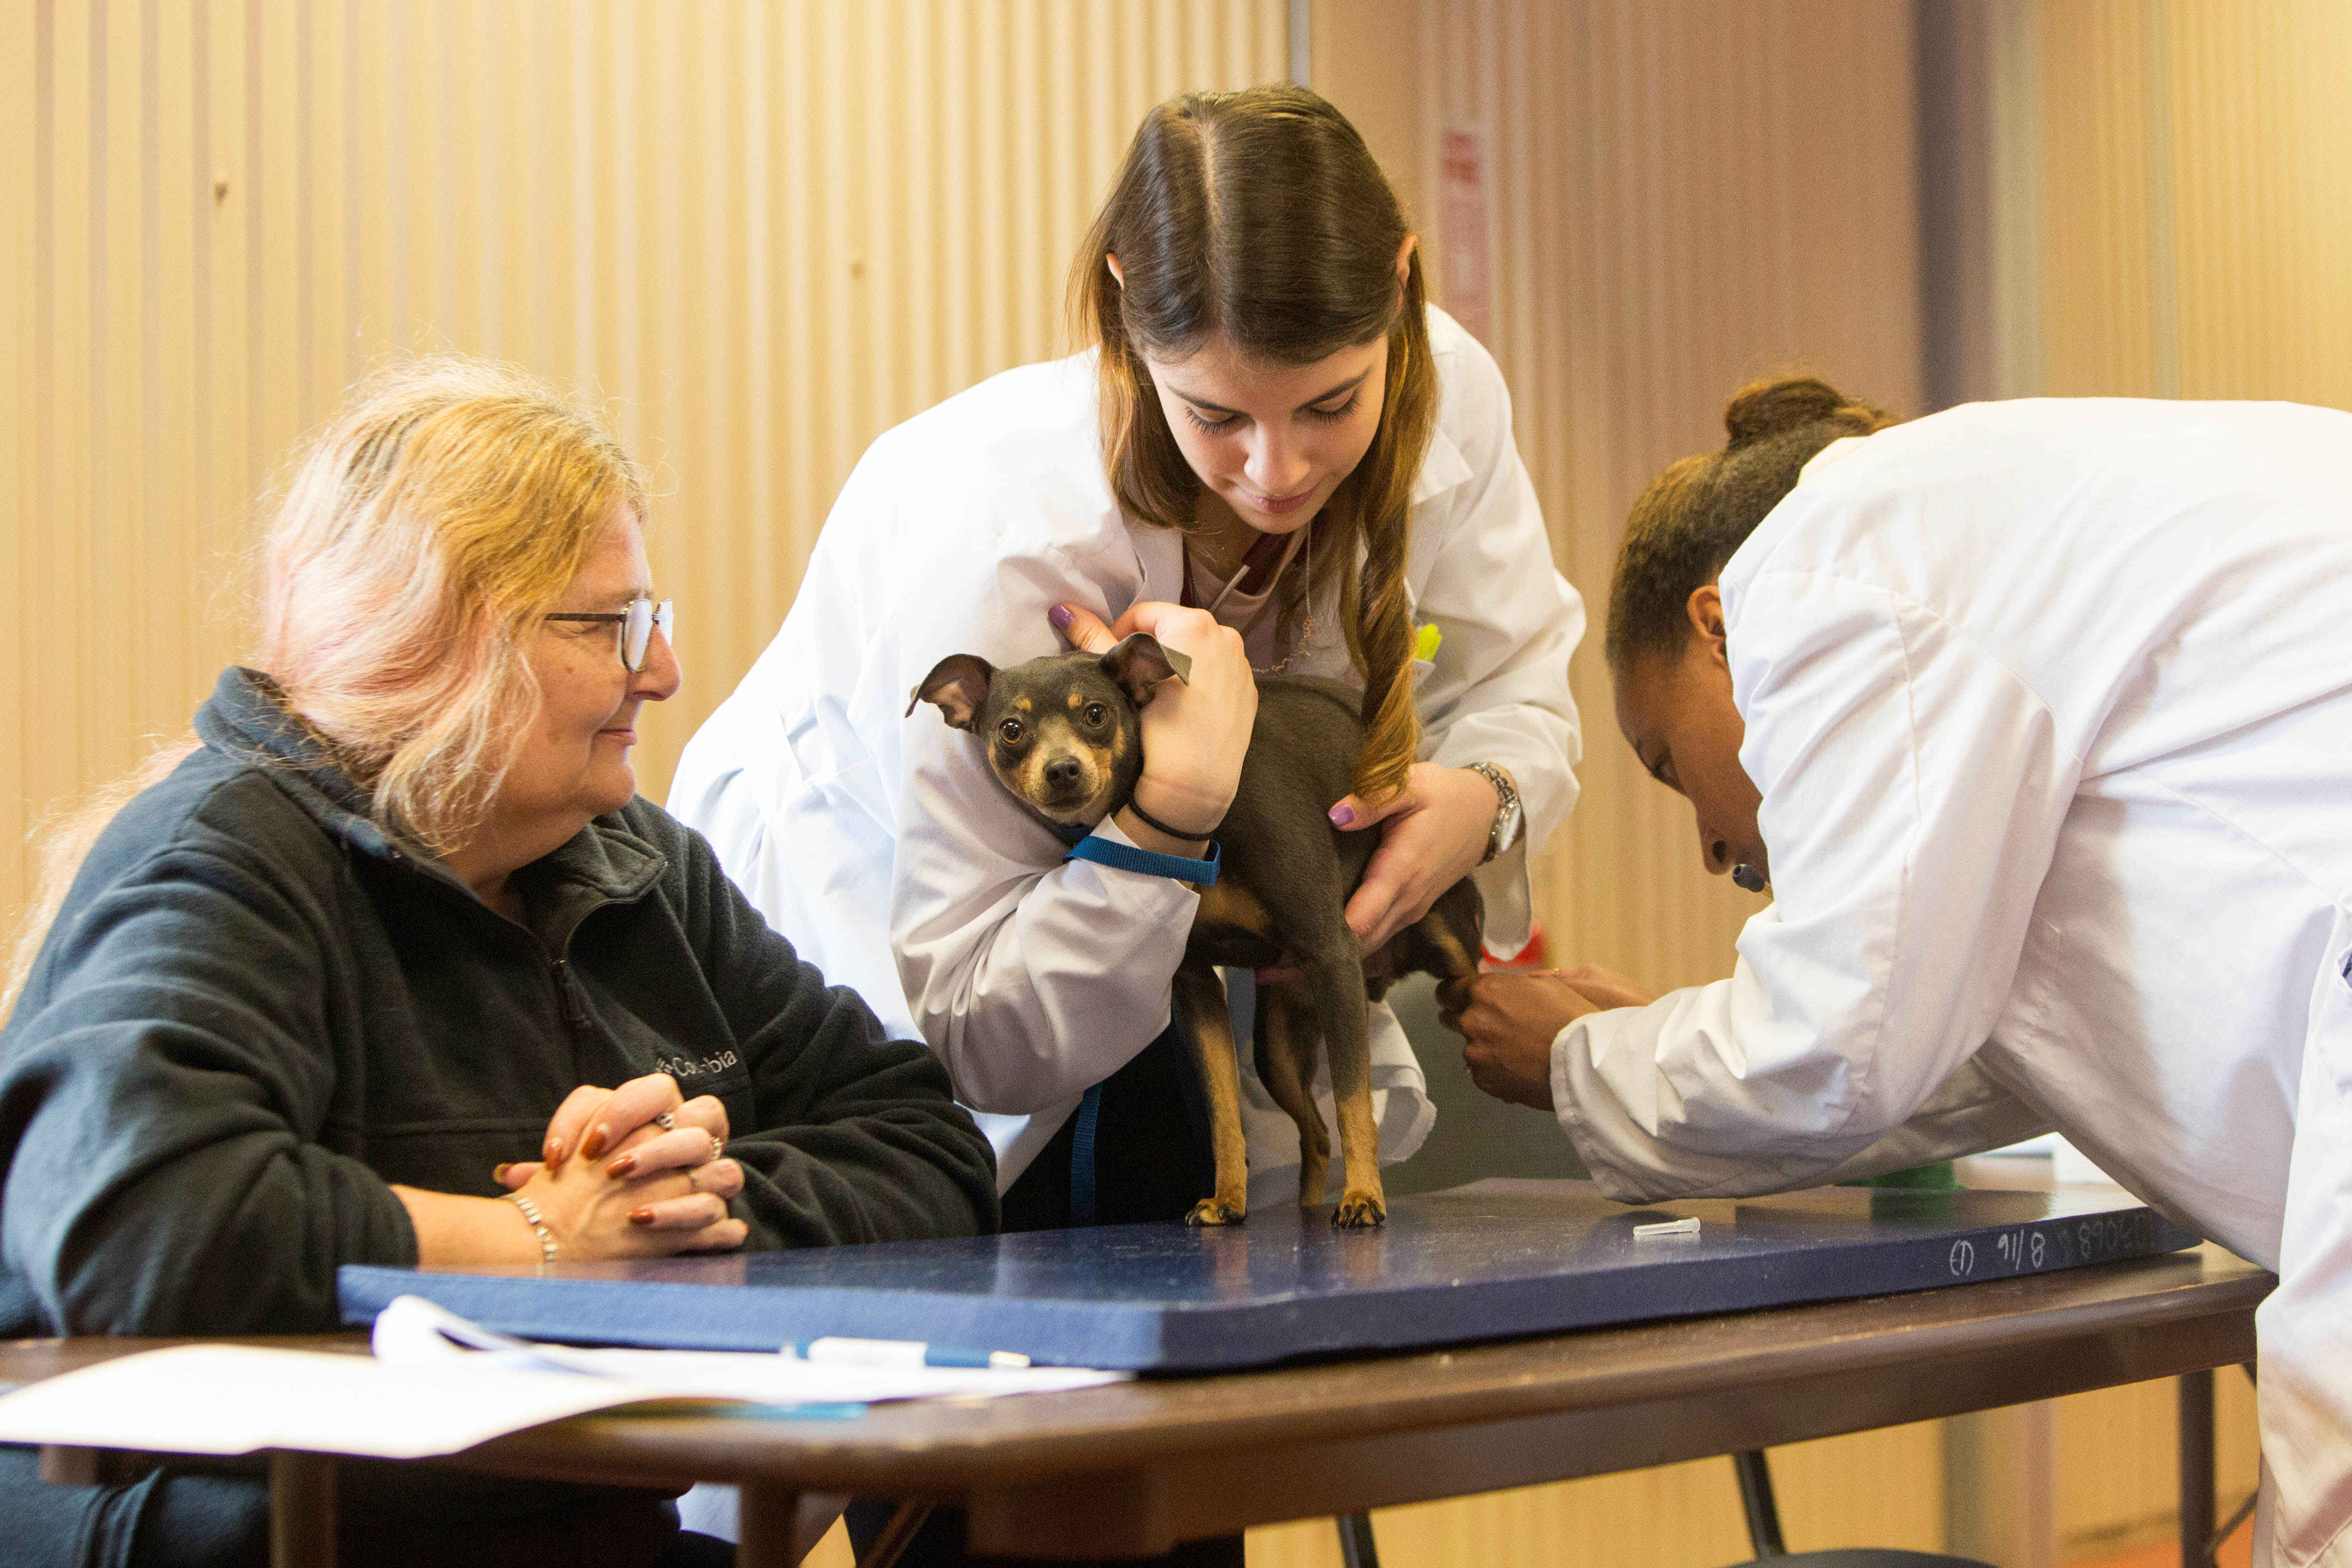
2037,717
1274,454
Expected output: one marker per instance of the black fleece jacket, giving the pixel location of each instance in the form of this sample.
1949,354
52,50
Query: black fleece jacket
256,1011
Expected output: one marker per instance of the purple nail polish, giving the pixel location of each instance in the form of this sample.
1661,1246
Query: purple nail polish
1060,616
1342,815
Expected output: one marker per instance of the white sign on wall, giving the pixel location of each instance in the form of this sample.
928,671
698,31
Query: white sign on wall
1467,263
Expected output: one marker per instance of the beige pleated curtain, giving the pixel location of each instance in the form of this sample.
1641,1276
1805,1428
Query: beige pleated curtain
761,231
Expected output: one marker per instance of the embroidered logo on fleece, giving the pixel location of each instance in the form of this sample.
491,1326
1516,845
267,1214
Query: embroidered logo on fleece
691,1066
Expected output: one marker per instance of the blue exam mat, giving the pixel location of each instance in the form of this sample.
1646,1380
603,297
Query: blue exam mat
1485,1261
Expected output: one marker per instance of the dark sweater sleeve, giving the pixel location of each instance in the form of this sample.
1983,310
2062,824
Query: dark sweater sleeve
858,1137
164,1085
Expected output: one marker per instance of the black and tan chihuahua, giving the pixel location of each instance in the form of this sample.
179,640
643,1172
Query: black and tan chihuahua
1065,734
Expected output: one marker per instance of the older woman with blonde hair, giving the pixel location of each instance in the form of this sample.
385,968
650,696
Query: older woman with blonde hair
389,964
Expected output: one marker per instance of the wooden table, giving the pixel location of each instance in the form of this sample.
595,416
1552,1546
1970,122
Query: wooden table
1130,1469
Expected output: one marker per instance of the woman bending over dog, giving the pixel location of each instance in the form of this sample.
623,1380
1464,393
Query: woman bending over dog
1274,454
2036,718
326,989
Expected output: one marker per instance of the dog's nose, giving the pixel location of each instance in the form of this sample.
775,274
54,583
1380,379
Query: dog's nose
1063,773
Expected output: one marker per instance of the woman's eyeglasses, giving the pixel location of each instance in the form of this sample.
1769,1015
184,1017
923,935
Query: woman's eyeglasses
637,623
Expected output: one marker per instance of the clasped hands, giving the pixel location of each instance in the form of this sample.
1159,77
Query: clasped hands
634,1172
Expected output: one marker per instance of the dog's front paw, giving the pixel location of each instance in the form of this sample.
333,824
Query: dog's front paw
1359,1210
1216,1211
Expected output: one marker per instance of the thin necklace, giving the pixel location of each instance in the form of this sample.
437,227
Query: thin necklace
1306,633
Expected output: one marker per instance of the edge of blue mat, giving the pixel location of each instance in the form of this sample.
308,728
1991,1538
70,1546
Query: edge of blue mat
1150,1336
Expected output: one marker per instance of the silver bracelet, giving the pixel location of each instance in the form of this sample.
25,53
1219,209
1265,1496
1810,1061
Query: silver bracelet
538,1227
1508,820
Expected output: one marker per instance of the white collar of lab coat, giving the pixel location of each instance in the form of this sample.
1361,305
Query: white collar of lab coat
1829,457
1440,471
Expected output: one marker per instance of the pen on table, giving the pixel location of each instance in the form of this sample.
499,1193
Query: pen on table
1666,1228
834,1350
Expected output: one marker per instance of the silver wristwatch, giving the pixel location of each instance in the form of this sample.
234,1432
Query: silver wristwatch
1508,818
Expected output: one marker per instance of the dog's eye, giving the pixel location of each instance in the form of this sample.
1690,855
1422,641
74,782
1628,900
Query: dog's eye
1011,730
1095,712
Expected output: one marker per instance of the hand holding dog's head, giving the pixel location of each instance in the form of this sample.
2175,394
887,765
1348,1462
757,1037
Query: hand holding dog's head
1062,731
1138,663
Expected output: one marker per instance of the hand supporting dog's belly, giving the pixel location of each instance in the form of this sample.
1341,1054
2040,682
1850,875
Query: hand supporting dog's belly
1432,835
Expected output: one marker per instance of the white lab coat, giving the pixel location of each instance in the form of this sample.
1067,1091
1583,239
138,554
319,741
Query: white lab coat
2051,706
883,846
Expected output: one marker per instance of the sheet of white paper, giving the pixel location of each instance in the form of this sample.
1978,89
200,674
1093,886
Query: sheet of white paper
423,1392
412,1331
235,1399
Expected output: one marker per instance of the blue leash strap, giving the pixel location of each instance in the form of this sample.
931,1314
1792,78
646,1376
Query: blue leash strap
1127,858
1082,1159
1086,1121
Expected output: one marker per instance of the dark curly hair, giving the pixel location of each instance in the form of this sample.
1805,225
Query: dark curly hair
1691,519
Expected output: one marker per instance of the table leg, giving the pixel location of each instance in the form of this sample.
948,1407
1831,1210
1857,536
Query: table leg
766,1524
2197,1503
1756,1500
301,1511
1357,1549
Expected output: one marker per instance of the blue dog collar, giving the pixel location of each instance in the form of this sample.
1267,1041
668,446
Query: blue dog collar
1127,857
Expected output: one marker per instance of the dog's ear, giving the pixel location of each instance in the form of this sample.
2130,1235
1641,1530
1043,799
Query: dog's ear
958,684
1139,664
